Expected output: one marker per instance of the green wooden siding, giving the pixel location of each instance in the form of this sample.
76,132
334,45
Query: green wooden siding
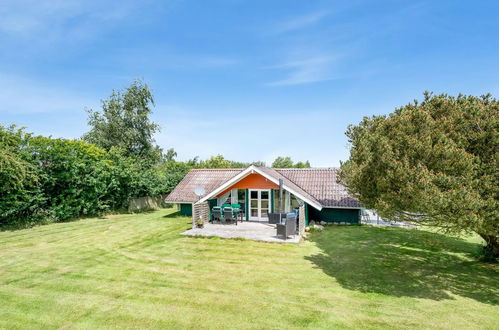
334,215
186,210
246,204
212,203
307,219
272,200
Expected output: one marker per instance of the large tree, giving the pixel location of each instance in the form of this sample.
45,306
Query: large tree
434,163
124,122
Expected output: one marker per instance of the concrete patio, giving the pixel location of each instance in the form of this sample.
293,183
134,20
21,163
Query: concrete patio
257,231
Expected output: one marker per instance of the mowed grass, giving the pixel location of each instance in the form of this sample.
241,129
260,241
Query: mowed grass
136,271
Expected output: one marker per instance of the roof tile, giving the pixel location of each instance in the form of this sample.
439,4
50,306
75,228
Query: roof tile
322,184
208,179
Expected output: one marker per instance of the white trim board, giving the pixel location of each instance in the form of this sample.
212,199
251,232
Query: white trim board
227,184
343,207
254,169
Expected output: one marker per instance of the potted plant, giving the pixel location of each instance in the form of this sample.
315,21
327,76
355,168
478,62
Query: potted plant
200,223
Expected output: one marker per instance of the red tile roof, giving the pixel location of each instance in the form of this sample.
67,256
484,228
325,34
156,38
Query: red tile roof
290,184
208,179
316,184
322,184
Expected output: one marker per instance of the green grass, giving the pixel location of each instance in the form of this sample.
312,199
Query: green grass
137,271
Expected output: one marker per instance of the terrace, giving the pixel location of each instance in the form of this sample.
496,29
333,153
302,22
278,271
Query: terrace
257,231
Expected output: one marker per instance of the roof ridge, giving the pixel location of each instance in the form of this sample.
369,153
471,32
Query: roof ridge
306,169
218,169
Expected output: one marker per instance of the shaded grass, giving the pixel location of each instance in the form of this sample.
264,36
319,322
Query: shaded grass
137,271
410,263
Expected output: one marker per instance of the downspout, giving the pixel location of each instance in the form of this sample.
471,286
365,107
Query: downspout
280,195
246,204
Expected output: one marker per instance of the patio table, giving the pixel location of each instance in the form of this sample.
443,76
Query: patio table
238,212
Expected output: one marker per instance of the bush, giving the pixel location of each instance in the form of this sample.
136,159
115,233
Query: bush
44,179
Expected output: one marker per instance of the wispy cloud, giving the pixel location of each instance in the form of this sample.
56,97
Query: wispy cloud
299,22
165,57
57,20
304,71
306,57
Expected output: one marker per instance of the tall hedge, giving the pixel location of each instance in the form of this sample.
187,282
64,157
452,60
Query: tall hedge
45,179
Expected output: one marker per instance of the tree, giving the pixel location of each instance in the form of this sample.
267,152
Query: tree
305,164
282,162
433,163
124,122
287,162
170,155
217,161
236,164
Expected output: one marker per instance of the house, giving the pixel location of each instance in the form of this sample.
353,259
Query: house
314,191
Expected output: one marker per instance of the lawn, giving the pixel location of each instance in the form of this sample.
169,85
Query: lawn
137,271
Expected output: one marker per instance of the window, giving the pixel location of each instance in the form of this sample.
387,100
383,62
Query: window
294,202
233,196
289,201
225,199
241,196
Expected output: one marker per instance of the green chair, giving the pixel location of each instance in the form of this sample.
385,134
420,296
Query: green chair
216,213
229,215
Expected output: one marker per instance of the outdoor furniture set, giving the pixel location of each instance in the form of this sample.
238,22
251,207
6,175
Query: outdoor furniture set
227,213
286,223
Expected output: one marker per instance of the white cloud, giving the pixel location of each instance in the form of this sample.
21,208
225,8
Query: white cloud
305,71
48,21
299,22
307,57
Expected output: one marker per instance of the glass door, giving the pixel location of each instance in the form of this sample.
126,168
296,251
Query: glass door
259,203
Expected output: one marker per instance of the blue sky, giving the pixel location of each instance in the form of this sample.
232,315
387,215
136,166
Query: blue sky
226,74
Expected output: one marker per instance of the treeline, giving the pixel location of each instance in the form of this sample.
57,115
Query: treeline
44,179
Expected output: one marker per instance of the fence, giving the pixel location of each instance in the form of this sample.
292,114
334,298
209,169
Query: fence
370,217
146,203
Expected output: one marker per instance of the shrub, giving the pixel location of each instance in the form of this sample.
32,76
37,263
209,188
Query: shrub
44,179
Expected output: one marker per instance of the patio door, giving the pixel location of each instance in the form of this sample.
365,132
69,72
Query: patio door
259,204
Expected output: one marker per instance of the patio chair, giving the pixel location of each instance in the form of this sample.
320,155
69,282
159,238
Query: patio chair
277,218
274,218
242,207
293,217
287,228
229,215
216,214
